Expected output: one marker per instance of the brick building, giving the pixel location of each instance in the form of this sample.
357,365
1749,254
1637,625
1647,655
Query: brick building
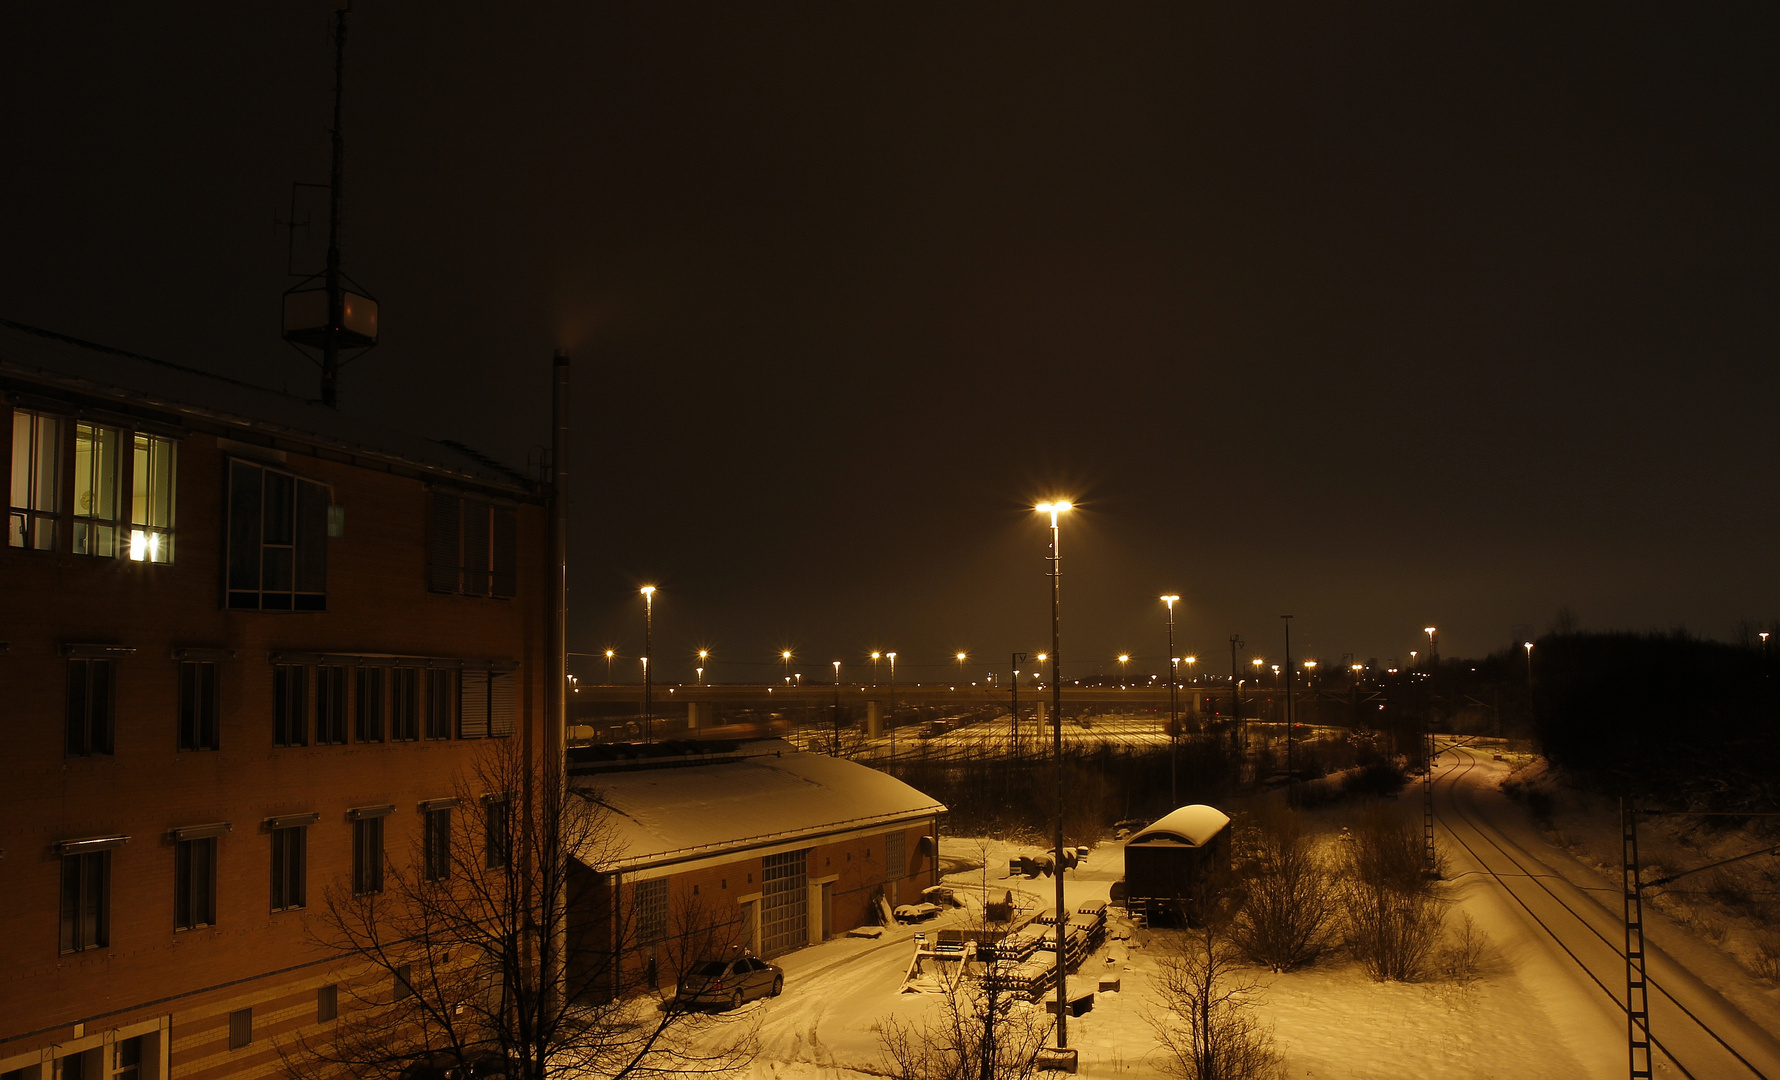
246,644
772,847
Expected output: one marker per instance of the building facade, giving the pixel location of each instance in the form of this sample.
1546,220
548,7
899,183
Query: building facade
247,645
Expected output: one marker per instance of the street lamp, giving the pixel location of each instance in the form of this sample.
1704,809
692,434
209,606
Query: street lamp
1173,705
1053,509
1433,644
1124,662
786,656
837,708
890,720
703,655
609,654
961,658
874,666
648,592
1529,647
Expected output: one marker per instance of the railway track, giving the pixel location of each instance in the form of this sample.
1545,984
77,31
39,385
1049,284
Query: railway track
1709,1055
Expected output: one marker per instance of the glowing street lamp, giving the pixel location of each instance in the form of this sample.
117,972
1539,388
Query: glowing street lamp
609,654
1529,647
891,719
1124,663
1191,660
648,592
874,666
703,655
961,657
1053,509
786,656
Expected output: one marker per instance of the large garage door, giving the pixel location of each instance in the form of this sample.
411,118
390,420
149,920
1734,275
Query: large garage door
784,902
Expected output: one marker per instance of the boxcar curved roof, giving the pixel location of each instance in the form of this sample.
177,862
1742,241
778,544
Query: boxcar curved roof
1194,826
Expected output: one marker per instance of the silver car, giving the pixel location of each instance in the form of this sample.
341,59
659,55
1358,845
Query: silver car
728,983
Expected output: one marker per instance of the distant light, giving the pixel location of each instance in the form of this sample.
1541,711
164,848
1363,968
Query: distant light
648,590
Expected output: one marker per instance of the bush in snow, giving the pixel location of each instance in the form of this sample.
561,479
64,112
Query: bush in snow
1289,911
1394,916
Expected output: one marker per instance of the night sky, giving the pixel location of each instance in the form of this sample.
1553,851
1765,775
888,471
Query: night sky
1384,315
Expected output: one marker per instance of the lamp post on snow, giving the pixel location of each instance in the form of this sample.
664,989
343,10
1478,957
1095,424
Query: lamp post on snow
648,679
1053,509
1173,706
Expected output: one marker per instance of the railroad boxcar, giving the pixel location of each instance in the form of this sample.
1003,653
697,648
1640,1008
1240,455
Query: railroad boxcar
1166,862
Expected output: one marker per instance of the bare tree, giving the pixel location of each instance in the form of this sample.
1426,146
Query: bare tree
988,1030
500,942
1289,910
1208,1030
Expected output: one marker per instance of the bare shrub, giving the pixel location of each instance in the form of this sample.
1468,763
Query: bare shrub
985,1032
1289,910
1394,918
1208,1030
1463,955
1767,955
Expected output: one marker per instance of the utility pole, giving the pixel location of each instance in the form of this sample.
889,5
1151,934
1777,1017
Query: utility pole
1291,773
1236,707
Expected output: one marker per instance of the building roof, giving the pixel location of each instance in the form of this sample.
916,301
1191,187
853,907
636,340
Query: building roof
136,384
765,793
1194,826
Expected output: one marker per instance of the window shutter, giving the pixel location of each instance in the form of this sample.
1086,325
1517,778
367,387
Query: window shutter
503,687
443,524
506,552
474,722
475,548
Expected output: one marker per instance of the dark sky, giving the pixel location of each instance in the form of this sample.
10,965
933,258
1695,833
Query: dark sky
1382,315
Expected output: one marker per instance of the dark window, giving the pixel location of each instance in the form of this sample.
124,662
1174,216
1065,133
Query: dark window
278,540
194,883
441,703
197,705
327,1003
289,857
436,844
490,704
497,830
240,1028
472,547
290,705
92,686
86,901
127,1059
652,910
367,855
404,704
330,705
370,705
404,987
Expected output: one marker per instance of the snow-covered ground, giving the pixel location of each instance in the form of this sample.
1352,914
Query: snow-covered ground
1535,1012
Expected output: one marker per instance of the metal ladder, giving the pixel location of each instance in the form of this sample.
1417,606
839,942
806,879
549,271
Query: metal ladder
1637,1002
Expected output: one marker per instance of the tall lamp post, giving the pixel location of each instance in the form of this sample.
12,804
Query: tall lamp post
1053,509
648,678
703,655
1291,776
786,656
1173,706
961,658
837,708
874,666
609,654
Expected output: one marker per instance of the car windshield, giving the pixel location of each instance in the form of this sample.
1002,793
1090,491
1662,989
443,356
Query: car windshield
710,969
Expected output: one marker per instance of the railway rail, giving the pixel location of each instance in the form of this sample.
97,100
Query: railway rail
1727,1061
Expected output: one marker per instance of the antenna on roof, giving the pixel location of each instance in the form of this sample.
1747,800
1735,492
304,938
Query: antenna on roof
329,311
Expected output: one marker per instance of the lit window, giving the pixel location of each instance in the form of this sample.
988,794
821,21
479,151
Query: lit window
95,489
36,480
151,499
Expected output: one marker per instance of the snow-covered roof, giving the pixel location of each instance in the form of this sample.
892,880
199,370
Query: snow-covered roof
1194,826
766,794
133,383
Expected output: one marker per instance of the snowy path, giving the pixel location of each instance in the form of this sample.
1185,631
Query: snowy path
1562,928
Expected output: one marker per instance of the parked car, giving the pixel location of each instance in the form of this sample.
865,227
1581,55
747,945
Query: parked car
446,1065
728,983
